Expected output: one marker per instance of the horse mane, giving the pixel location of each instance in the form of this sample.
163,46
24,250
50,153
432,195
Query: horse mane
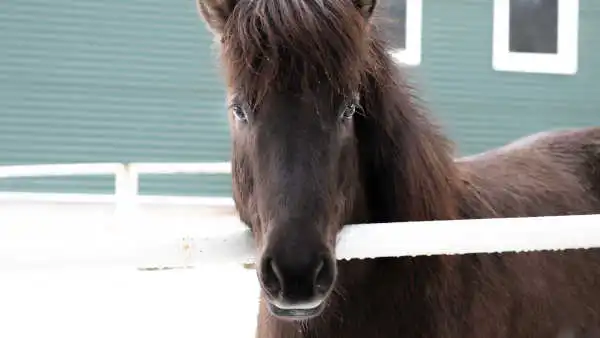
406,163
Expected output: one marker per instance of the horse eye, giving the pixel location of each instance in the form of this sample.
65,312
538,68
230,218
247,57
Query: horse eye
349,111
239,113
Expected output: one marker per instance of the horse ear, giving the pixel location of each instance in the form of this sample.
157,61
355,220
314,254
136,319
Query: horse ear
215,13
365,7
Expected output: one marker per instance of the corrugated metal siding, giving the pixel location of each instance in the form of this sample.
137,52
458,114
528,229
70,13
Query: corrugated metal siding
109,81
482,108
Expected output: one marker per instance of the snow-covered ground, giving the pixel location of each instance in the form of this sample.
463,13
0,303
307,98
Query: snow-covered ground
206,301
40,297
45,292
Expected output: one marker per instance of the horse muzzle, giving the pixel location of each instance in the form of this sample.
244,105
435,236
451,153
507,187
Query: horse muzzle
296,283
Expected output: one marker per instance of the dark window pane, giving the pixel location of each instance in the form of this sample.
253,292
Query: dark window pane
533,26
394,22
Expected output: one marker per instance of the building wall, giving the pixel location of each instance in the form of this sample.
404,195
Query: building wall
137,81
483,108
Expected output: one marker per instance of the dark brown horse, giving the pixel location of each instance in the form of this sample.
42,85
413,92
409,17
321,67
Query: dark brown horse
326,132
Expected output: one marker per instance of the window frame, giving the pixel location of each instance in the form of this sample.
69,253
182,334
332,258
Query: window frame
564,62
411,54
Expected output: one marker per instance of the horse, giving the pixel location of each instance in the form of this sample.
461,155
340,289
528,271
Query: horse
326,131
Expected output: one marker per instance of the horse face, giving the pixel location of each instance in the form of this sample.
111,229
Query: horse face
295,166
293,70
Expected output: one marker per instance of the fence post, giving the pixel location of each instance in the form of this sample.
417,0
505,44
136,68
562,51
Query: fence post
126,189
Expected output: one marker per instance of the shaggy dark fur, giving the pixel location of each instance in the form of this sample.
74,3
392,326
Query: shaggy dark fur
300,172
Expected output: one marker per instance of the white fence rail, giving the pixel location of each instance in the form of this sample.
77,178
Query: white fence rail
126,174
49,230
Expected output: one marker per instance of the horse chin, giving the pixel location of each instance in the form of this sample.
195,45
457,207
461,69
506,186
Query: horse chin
297,311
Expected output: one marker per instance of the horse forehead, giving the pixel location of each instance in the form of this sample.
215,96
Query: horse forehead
292,115
296,97
284,108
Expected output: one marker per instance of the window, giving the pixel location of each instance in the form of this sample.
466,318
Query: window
402,24
536,36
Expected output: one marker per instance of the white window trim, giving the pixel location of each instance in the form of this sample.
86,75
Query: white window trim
411,55
564,62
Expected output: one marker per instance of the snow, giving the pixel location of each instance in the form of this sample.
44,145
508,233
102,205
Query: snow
207,301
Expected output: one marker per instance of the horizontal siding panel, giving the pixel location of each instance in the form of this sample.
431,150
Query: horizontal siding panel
121,81
187,185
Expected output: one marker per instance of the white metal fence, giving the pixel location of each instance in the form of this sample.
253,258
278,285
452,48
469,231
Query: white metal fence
126,179
45,230
68,261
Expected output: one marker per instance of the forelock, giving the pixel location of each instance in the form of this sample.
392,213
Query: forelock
294,45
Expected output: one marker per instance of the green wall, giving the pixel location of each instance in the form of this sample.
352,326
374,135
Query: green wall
112,80
127,81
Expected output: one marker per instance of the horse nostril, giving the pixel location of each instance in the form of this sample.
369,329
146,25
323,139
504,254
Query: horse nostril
271,277
323,276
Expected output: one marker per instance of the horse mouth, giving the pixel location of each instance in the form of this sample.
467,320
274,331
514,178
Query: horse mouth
300,311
